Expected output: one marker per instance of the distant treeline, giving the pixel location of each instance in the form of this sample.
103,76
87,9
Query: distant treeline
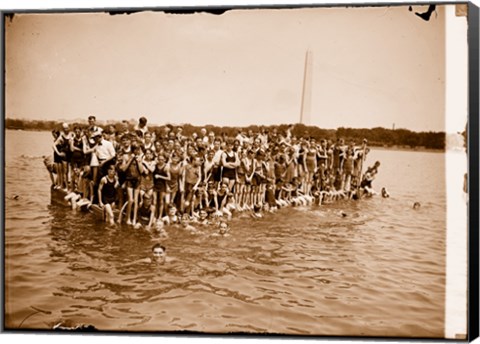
380,137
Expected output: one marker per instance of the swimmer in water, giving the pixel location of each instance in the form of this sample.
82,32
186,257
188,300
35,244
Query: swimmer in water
158,256
416,206
385,193
257,211
171,218
223,229
185,221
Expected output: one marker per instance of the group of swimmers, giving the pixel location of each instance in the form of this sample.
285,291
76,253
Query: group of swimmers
163,177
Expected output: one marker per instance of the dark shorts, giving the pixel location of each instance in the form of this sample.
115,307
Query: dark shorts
160,187
132,183
67,157
217,174
108,200
258,180
57,158
229,173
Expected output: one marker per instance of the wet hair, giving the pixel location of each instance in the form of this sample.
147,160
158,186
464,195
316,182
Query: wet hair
159,246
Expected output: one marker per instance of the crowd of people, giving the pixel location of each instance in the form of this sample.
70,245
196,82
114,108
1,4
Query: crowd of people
164,177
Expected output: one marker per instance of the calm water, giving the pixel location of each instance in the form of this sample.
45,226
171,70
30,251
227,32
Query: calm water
380,271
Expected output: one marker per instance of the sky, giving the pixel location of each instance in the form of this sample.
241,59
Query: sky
370,67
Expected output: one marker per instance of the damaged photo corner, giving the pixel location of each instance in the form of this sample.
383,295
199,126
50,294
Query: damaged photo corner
399,67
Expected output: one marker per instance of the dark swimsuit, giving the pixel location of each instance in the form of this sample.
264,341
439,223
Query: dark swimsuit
78,158
109,192
159,184
144,214
65,148
229,173
133,174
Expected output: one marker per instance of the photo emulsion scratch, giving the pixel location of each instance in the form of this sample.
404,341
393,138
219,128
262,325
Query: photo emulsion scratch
259,171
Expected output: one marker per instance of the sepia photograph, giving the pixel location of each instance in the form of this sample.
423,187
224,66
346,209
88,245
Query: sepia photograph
268,170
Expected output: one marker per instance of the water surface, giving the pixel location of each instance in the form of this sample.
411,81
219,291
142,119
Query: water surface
380,271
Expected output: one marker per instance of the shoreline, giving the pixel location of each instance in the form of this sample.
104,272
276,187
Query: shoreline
406,149
394,148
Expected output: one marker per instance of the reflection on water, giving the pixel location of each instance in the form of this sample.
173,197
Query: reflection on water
379,271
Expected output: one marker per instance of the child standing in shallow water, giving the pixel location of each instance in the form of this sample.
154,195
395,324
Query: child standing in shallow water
107,193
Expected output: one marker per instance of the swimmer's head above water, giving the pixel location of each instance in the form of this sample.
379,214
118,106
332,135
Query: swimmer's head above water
223,228
385,193
159,253
416,205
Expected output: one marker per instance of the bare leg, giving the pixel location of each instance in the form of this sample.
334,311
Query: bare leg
135,205
129,205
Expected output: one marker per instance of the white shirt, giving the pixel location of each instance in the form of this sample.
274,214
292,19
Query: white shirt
217,158
105,150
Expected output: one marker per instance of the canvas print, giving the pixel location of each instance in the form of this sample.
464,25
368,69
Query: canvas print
244,170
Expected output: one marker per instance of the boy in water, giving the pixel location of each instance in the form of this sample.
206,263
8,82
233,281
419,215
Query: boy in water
203,217
366,184
171,218
185,221
51,168
146,213
223,229
107,193
159,256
